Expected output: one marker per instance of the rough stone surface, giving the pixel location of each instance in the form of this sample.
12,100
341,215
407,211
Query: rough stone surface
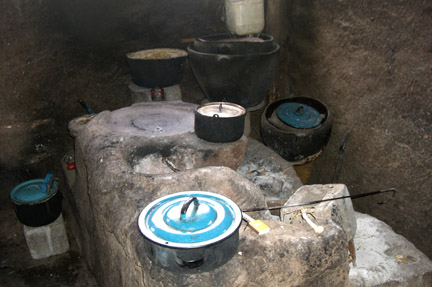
385,258
154,145
48,240
340,211
290,255
142,94
270,172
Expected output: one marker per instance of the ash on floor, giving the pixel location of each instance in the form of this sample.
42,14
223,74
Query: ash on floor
275,176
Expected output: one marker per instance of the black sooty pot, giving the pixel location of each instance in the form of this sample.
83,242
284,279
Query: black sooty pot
241,75
193,260
37,210
296,145
219,122
157,68
230,44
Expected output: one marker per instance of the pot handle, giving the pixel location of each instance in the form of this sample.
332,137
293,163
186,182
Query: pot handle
47,183
186,206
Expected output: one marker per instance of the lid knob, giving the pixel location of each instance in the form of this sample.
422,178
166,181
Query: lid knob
300,111
186,206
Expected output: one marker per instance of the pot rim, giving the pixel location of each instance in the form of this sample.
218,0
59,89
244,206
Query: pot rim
270,108
191,49
36,202
148,234
243,110
177,53
33,181
219,38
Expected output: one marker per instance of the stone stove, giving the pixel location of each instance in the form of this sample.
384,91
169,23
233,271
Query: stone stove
129,157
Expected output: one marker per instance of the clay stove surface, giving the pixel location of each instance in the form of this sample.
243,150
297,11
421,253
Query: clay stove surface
152,120
158,138
108,195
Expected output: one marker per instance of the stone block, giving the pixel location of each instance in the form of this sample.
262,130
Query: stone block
384,258
340,211
289,255
47,240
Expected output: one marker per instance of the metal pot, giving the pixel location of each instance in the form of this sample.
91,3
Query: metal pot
219,122
244,79
37,202
157,68
232,45
296,128
191,231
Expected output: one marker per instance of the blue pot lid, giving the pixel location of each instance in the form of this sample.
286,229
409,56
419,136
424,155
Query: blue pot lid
190,219
34,191
299,115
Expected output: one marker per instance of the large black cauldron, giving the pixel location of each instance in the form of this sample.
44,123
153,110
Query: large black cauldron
231,44
236,77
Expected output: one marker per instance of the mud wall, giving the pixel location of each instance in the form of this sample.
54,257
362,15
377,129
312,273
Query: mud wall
371,63
55,52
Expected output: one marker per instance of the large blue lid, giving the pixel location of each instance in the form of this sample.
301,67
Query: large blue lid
298,115
34,191
190,219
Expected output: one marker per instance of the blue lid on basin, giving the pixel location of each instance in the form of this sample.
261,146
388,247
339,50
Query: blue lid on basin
34,191
299,115
190,219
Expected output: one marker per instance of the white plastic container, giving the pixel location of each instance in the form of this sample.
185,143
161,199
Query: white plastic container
244,17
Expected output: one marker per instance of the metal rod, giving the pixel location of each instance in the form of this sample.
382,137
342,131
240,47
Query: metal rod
338,166
393,190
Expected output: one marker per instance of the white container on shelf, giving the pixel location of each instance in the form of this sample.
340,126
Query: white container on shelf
244,17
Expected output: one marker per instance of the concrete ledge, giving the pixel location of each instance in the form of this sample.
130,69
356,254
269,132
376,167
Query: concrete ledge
340,211
385,258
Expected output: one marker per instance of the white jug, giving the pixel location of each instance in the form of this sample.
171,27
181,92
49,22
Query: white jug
245,17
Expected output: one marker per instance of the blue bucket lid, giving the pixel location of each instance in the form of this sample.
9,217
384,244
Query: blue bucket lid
190,219
299,115
34,191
